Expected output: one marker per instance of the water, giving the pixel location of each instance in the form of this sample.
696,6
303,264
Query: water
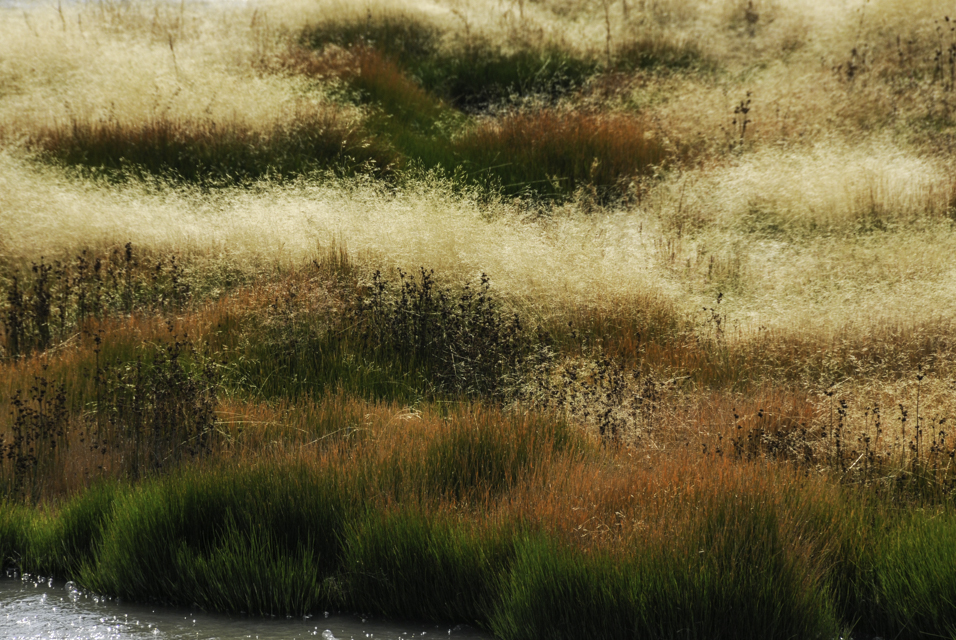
32,608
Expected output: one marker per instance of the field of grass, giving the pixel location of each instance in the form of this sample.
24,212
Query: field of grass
559,318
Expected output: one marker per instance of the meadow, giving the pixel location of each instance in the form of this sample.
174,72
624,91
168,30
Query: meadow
559,318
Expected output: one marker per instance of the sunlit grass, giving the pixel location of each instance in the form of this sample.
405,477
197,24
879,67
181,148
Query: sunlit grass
561,319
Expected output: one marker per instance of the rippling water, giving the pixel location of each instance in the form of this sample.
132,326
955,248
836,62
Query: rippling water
31,608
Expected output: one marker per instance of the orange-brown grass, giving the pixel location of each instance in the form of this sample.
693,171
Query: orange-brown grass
632,497
203,149
78,460
709,393
527,150
716,352
99,345
572,487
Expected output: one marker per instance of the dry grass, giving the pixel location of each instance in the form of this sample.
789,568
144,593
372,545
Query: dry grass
825,225
739,309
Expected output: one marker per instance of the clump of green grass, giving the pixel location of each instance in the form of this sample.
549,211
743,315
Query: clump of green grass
416,565
480,75
401,36
474,73
651,53
471,75
659,591
914,585
78,530
14,533
484,456
192,539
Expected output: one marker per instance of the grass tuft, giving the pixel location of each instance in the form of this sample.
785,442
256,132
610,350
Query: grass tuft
190,541
213,153
554,153
417,566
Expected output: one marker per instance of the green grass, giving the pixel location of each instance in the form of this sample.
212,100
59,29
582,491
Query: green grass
191,540
448,520
658,54
79,528
414,565
297,538
401,36
473,73
913,579
15,522
480,75
672,591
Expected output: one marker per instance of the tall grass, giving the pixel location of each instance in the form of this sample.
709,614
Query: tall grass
683,367
473,74
555,153
333,327
192,542
423,566
210,152
736,559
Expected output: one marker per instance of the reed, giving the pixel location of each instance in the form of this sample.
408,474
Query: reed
781,550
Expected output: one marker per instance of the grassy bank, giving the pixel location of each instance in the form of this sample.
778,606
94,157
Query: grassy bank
318,440
518,546
561,319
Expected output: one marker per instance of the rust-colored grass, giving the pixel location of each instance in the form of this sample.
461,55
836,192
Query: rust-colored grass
560,152
208,151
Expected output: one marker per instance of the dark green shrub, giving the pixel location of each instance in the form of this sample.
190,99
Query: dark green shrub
462,339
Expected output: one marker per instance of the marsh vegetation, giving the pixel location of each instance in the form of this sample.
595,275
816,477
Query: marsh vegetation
560,318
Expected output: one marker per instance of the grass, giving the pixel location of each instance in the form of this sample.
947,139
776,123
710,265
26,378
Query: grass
554,318
790,563
417,91
471,75
552,153
209,152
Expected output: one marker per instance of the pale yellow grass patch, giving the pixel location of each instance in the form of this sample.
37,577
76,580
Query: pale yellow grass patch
131,64
822,239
